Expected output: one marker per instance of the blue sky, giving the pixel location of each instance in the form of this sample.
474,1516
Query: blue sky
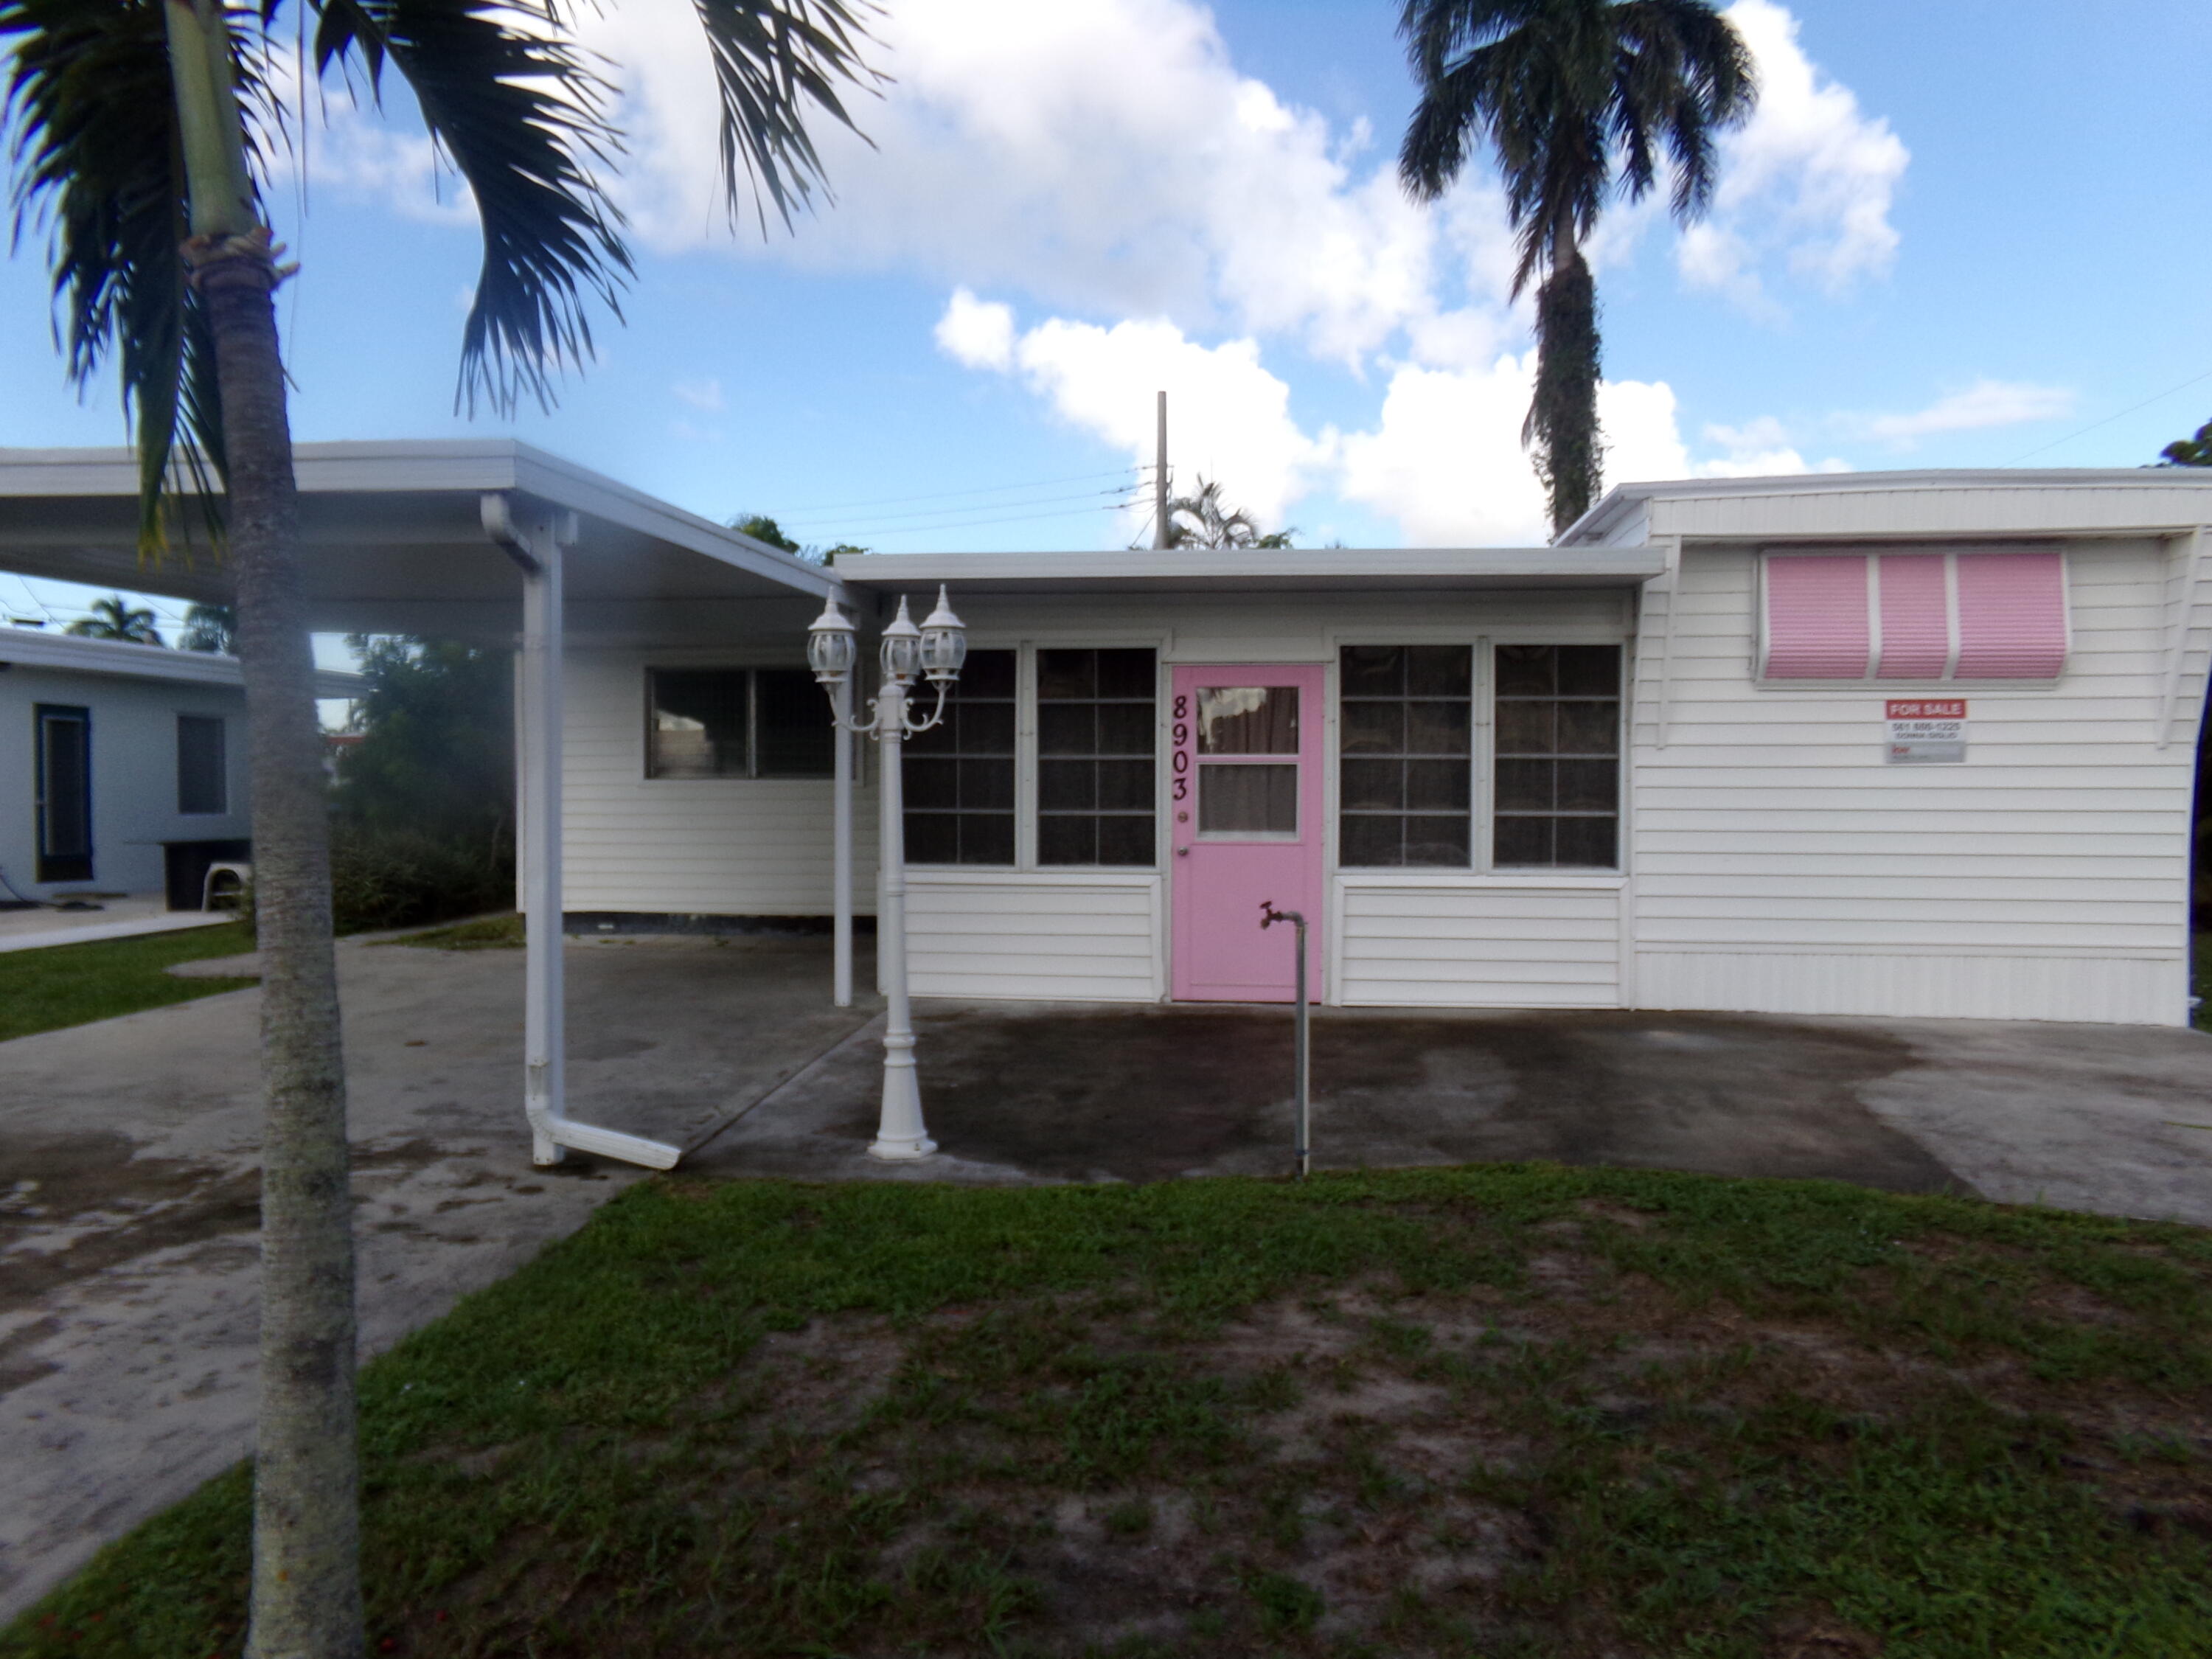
1966,234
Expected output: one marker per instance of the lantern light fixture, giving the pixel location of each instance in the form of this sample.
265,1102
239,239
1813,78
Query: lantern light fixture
831,647
944,642
901,648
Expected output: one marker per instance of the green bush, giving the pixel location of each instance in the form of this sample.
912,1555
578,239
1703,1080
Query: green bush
386,878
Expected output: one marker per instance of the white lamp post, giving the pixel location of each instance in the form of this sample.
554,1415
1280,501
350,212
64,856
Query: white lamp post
935,650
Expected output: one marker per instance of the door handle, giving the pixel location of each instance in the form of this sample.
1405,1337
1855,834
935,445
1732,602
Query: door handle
1182,852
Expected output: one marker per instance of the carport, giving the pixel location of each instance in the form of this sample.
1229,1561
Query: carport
488,540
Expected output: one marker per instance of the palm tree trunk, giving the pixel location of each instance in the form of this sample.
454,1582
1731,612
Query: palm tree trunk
306,1577
1562,425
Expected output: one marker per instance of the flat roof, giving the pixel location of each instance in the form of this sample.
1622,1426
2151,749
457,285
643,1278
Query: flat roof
394,538
34,648
1201,570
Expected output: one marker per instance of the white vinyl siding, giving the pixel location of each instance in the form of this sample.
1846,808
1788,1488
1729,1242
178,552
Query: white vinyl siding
746,847
1458,945
1078,935
1780,865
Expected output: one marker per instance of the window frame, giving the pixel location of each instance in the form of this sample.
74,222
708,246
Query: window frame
752,774
222,809
1482,770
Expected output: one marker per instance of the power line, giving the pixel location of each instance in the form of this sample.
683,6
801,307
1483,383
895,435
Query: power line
2109,419
946,495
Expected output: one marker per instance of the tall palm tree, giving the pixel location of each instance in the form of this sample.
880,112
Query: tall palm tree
115,618
210,628
139,135
1566,92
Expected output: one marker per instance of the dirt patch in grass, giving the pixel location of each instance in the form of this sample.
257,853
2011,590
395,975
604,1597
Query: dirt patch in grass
1509,1410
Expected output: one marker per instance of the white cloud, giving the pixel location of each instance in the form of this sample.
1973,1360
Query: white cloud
978,334
705,395
1983,404
1228,418
1759,449
1809,179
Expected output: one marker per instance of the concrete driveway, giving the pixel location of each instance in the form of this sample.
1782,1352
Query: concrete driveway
128,1149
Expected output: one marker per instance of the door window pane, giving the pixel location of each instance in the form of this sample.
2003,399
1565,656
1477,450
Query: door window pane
1558,784
1247,720
1098,734
1405,732
202,765
1248,799
63,783
960,776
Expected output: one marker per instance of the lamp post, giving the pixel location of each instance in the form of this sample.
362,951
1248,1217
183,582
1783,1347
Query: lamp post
933,651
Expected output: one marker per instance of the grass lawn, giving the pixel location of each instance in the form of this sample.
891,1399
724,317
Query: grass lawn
69,984
1514,1410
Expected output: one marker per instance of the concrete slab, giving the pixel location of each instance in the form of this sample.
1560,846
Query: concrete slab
113,918
128,1191
127,1257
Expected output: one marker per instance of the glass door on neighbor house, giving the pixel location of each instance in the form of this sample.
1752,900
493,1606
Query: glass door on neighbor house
1245,817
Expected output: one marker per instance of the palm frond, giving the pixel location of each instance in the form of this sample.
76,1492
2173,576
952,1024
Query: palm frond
524,118
772,58
89,119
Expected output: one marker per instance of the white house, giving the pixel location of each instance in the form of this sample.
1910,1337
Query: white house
1898,743
122,766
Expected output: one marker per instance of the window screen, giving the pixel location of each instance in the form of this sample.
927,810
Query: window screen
738,723
1558,781
959,776
202,768
1405,766
1097,732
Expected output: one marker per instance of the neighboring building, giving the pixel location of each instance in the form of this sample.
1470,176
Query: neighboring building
122,767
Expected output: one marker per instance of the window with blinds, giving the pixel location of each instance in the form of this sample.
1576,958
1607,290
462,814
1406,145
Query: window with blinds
959,776
1098,734
1405,755
203,784
738,723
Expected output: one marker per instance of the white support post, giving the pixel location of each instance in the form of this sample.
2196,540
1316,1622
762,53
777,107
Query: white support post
841,855
544,1047
900,1134
535,543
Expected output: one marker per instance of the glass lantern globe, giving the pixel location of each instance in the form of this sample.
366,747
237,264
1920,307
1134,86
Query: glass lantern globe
901,648
943,643
830,650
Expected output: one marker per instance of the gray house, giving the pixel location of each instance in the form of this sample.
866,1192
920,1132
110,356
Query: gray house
122,766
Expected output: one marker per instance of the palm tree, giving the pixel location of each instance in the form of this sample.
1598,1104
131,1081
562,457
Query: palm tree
210,628
1567,91
115,618
139,137
1206,521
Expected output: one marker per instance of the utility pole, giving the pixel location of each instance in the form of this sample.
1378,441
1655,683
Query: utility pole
1160,481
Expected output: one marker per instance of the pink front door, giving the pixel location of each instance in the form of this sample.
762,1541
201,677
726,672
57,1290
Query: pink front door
1245,815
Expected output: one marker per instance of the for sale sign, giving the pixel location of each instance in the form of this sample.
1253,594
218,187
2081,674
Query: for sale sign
1926,731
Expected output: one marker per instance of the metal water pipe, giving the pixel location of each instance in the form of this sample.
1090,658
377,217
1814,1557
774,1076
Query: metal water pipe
1302,1066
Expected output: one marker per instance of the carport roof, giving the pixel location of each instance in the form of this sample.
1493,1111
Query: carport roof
394,534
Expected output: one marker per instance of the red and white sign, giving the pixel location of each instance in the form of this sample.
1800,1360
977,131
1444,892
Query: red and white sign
1925,731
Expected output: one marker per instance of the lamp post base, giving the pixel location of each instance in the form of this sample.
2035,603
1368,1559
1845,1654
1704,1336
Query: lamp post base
902,1152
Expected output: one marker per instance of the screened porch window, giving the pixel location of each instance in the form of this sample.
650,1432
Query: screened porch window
1558,785
959,776
737,723
1406,727
1097,730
